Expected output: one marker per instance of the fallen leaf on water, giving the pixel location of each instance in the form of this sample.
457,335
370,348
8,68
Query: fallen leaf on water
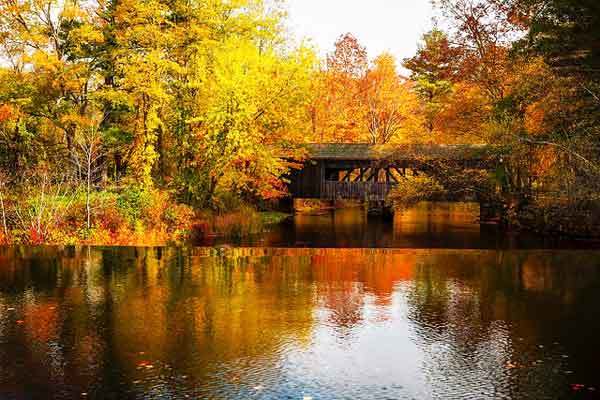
577,386
145,364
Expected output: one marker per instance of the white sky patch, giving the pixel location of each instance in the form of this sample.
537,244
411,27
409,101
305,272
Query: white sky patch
394,26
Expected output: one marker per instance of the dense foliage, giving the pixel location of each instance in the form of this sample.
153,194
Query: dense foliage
521,75
126,116
200,99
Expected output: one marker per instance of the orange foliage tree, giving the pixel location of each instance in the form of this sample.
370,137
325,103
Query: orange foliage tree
336,109
358,101
390,108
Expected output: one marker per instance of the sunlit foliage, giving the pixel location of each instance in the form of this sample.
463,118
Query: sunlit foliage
208,103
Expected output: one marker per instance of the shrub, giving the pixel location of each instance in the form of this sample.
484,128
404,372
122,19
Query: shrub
131,216
127,217
179,218
132,202
243,222
411,191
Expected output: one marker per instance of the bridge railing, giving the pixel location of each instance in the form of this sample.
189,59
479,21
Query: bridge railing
374,191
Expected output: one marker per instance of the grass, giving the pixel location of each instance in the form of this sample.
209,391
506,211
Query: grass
273,217
237,224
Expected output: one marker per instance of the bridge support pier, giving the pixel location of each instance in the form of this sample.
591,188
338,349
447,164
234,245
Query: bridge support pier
285,205
490,212
379,208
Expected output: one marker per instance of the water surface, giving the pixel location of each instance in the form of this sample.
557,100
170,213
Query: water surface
429,225
272,323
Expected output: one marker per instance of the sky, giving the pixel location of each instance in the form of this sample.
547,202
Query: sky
380,25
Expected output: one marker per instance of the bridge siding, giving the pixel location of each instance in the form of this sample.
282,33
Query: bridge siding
311,182
306,183
370,191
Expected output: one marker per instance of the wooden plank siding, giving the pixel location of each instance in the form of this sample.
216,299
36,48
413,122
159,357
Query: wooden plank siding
369,191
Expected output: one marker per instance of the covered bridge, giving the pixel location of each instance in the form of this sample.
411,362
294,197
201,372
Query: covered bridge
369,172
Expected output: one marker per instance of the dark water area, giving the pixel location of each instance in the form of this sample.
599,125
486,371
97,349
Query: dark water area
303,323
428,226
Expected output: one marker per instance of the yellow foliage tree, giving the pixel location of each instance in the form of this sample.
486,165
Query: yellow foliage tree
391,110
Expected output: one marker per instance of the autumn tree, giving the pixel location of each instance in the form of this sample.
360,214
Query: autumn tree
565,32
336,112
454,107
237,104
534,108
390,109
552,90
44,43
359,101
253,118
483,31
349,57
436,59
434,69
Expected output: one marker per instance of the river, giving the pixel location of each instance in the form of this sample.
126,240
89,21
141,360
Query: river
336,306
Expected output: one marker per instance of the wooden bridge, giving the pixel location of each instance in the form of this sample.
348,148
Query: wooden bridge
369,172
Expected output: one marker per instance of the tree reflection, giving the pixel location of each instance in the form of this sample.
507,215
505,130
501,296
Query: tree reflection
206,321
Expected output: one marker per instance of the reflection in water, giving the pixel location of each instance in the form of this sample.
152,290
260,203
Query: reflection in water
428,225
288,323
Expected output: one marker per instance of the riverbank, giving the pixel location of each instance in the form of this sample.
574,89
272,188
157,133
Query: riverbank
133,217
550,218
124,217
576,220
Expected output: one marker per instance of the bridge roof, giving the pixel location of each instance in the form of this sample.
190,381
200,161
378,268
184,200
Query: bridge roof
368,152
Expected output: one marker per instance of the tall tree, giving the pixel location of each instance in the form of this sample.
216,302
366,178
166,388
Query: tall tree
566,32
433,69
337,109
53,78
483,31
349,57
390,109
